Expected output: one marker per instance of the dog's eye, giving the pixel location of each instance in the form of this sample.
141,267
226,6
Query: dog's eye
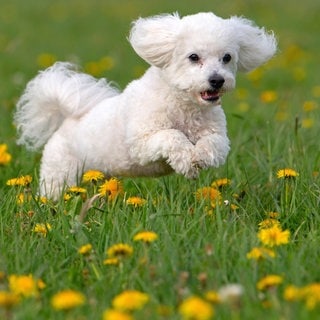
194,57
226,58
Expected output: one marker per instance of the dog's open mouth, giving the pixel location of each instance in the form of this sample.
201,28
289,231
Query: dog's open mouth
210,95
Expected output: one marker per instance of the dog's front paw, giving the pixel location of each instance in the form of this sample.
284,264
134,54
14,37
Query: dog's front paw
210,152
193,171
202,158
181,162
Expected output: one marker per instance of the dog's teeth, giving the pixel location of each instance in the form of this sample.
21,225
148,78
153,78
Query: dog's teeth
210,95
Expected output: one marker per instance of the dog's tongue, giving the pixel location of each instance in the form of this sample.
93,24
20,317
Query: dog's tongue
210,95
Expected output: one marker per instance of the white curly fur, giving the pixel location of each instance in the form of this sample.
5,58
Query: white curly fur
168,120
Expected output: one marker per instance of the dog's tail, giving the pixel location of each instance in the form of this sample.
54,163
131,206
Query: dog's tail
55,94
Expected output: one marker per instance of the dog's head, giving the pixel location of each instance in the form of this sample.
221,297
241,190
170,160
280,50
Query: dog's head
200,54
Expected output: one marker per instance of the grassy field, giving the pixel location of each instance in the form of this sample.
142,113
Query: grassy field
240,242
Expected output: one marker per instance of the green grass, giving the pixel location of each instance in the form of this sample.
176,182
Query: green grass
265,136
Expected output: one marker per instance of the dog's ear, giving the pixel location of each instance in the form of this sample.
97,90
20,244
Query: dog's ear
154,38
256,46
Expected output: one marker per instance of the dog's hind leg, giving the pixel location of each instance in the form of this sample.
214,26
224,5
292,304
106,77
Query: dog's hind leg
59,168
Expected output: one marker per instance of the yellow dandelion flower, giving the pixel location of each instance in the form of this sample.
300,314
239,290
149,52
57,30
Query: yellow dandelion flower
106,63
23,181
282,116
208,210
130,300
209,193
111,188
269,281
93,68
212,296
219,183
111,262
242,93
299,73
195,308
146,236
243,107
293,53
268,223
274,236
316,91
42,228
268,96
5,157
41,285
46,60
136,201
42,200
120,250
23,197
8,299
67,299
85,249
307,123
77,190
259,253
292,293
233,207
96,68
92,176
309,106
67,196
315,174
311,295
287,173
112,314
23,285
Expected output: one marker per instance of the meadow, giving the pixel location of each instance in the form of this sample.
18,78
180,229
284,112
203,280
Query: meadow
240,242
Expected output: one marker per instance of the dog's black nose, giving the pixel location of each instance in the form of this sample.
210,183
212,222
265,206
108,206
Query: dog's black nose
216,81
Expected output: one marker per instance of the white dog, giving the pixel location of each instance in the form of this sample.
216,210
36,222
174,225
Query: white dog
168,120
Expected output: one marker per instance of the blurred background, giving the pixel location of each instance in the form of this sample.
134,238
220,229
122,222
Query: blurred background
34,34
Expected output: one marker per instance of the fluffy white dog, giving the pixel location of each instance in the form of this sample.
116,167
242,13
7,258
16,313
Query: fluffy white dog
168,120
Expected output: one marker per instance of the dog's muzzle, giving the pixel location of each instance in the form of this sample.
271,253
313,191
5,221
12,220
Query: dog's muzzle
212,95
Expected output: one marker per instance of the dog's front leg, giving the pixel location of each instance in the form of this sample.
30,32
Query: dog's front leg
211,150
172,146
